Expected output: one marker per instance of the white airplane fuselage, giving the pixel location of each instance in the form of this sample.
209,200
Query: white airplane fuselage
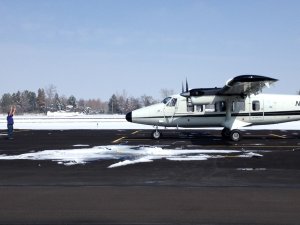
216,111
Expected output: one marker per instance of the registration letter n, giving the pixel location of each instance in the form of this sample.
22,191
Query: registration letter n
297,103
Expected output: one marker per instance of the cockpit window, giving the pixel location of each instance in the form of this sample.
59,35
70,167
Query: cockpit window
172,102
166,100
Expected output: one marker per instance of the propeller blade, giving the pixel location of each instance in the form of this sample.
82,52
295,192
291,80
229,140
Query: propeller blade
182,88
186,85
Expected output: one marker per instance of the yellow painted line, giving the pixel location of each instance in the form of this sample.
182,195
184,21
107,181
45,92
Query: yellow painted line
135,132
115,141
275,135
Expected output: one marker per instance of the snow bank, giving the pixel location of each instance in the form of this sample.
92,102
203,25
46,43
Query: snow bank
68,121
63,114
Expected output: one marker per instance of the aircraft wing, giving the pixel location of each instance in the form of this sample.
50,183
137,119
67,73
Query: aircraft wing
246,85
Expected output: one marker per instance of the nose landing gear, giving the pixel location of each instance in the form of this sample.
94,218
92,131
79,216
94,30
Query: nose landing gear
156,134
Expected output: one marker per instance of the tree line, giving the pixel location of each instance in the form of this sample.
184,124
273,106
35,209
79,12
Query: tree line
48,99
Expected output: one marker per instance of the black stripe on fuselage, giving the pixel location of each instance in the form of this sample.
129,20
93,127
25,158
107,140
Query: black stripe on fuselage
279,113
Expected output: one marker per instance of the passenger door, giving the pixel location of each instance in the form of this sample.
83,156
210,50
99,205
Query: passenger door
169,110
256,110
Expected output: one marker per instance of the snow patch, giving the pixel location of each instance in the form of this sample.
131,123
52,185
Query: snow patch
127,155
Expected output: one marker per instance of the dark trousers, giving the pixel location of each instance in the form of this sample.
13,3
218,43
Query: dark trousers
10,130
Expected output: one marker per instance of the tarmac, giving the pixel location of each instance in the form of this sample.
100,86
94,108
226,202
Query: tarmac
228,190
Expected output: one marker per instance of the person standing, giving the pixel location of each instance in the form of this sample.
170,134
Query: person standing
10,122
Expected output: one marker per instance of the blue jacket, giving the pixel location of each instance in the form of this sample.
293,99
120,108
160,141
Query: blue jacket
10,120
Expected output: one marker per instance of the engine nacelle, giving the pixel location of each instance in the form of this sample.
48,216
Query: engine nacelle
206,100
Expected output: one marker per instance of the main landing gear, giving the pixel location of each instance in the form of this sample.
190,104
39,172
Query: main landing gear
234,135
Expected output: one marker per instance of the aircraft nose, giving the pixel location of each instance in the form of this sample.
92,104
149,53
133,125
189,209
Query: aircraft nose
129,117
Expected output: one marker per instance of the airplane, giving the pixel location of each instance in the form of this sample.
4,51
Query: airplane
238,104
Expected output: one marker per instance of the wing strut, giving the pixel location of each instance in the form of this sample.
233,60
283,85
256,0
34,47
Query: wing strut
230,122
228,110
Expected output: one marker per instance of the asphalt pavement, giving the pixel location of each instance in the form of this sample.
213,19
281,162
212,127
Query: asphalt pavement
227,190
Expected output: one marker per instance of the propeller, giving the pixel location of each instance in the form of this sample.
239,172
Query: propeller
185,93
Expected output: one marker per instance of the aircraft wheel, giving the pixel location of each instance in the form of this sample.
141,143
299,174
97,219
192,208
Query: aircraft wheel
235,135
156,134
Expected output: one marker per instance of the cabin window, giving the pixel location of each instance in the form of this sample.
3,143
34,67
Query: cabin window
223,106
210,108
238,106
199,108
255,106
190,108
220,106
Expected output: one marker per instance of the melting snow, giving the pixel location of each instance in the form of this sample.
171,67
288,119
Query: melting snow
126,155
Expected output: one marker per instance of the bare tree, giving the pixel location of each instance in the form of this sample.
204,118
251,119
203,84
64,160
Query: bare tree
121,102
28,101
132,104
50,94
147,100
6,102
166,92
95,106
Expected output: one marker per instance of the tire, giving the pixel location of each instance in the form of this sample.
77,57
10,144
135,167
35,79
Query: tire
235,135
156,134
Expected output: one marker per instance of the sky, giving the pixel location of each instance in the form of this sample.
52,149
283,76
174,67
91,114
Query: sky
95,48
